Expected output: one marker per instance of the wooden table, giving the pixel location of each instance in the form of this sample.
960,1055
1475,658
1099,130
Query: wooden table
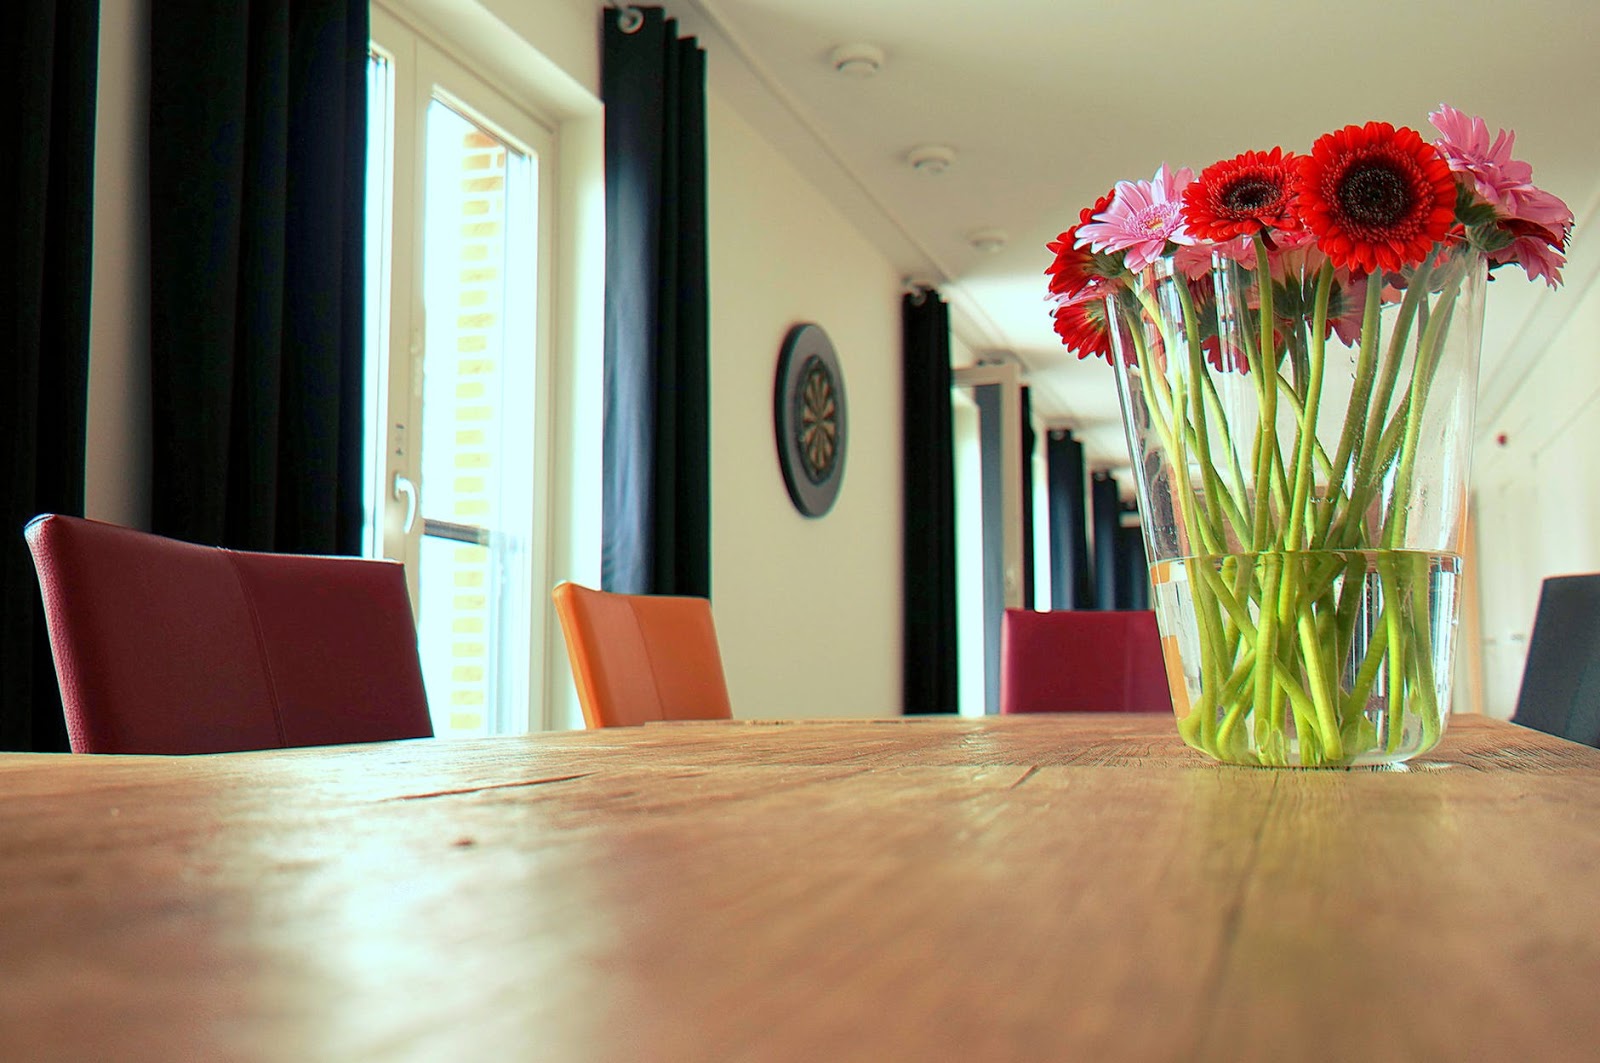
1029,888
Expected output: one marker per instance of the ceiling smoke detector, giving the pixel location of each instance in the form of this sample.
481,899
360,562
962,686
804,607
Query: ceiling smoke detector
931,158
857,60
987,240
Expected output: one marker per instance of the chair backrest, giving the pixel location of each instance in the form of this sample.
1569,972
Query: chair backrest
1082,660
637,658
1560,692
164,646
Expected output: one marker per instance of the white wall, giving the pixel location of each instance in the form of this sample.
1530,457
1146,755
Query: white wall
117,470
1537,480
807,610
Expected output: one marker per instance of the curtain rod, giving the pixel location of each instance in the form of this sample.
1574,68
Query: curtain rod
629,18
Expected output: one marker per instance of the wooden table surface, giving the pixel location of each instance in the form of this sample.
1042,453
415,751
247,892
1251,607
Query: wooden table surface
1025,888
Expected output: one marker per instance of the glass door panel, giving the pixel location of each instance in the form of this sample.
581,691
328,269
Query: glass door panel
474,495
457,232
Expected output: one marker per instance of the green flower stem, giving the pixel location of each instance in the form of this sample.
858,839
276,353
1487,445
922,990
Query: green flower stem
1421,382
1203,387
1167,419
1284,619
1396,655
1197,373
1367,674
1425,698
1274,489
1280,478
1319,455
1231,516
1206,537
1266,641
1321,682
1243,674
1415,300
1359,396
1371,463
1242,527
1160,406
1266,453
1287,596
1231,602
1285,610
1351,533
1206,526
1214,639
1266,427
1351,592
1308,415
1260,373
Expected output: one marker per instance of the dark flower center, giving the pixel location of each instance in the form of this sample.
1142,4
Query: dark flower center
1375,195
1250,194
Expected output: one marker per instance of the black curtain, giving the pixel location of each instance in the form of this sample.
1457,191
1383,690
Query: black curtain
1133,573
47,188
258,128
656,513
1029,441
928,461
1070,584
1107,512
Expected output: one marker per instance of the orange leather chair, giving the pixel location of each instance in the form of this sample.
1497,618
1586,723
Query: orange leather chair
1082,660
638,658
163,646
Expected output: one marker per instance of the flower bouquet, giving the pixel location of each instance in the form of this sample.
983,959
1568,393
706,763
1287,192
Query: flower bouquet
1296,340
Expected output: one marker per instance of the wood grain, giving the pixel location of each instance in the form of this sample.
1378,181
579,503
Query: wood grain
1029,888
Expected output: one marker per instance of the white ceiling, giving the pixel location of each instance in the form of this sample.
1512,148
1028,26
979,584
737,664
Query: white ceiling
1049,102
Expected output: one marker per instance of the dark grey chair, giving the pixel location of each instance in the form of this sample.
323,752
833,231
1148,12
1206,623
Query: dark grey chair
1560,692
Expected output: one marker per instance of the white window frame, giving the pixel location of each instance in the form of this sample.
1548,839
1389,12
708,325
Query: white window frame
423,71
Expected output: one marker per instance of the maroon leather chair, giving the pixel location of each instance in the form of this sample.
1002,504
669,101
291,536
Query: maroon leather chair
163,646
1082,660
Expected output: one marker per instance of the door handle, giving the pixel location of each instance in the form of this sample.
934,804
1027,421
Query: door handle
405,489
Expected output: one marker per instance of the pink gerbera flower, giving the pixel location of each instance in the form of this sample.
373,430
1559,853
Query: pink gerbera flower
1535,249
1144,216
1541,208
1466,147
1503,182
1537,221
1194,260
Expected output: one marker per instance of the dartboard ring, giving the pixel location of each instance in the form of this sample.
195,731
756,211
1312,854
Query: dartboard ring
809,417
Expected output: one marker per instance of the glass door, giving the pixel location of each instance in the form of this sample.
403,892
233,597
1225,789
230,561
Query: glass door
454,490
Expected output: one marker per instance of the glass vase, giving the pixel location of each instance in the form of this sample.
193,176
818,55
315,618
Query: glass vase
1301,450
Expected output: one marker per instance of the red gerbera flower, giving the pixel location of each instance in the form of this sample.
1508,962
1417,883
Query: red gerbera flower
1242,196
1376,197
1224,358
1075,268
1070,272
1082,326
1086,215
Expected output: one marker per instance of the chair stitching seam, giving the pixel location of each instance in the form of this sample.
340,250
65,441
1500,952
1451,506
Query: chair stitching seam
261,647
650,662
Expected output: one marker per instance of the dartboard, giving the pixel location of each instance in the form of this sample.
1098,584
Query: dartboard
809,411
